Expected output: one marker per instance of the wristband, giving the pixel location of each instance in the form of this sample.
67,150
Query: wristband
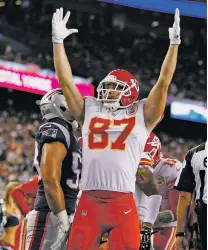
180,234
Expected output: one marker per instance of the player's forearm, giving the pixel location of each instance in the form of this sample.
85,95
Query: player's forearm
168,66
63,70
62,66
54,196
182,210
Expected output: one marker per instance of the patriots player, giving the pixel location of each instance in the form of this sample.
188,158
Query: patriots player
58,162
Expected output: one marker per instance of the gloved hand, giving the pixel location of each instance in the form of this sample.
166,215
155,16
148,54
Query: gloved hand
63,229
174,32
59,30
145,239
164,217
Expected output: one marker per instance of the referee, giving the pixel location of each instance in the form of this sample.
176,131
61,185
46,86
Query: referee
192,179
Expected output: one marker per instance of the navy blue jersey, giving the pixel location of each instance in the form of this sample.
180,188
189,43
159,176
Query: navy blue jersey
53,131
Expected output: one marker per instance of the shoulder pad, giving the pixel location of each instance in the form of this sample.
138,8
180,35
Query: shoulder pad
52,132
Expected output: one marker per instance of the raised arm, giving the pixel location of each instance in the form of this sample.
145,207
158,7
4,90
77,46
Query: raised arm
73,97
156,100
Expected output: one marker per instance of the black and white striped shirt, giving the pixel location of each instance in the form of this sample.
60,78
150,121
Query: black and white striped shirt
193,176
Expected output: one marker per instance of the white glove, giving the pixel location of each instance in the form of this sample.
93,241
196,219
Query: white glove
174,32
63,228
59,30
164,217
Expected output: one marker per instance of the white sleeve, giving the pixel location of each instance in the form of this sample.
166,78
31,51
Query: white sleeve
170,170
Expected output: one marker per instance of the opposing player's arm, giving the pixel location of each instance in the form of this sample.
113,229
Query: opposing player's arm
156,100
52,157
73,97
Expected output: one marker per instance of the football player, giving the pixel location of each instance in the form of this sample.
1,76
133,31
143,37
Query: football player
115,127
165,171
58,162
147,192
24,196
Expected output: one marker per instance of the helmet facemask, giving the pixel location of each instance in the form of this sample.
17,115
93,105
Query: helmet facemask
111,93
53,105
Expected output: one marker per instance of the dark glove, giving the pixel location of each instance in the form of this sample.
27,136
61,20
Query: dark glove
145,239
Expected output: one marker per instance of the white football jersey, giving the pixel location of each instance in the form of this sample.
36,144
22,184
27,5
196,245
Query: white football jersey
112,146
167,170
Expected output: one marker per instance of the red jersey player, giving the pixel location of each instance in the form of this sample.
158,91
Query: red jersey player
20,195
115,127
165,171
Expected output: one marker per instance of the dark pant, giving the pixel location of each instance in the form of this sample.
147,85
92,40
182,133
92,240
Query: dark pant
202,220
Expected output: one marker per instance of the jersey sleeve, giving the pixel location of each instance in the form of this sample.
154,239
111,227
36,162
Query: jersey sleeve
21,192
90,102
171,171
160,118
53,132
185,180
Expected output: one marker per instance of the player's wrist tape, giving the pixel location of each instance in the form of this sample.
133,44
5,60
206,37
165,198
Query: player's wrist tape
176,41
63,218
180,234
153,207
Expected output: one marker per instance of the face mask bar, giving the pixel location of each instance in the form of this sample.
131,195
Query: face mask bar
104,92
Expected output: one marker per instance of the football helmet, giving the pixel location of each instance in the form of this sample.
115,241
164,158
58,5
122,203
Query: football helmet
124,84
153,148
53,104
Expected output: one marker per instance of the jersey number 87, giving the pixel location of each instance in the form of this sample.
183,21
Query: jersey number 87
99,126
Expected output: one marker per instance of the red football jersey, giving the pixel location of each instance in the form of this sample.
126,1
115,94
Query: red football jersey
23,192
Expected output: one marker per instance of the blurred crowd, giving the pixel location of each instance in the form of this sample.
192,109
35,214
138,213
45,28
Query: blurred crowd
135,40
17,146
17,132
108,38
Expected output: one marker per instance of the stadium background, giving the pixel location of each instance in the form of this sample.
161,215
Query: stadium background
110,36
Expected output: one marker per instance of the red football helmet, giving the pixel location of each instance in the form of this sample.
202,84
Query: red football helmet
153,148
122,82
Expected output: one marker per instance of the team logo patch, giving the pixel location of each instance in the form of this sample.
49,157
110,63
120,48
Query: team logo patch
132,109
84,213
51,132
